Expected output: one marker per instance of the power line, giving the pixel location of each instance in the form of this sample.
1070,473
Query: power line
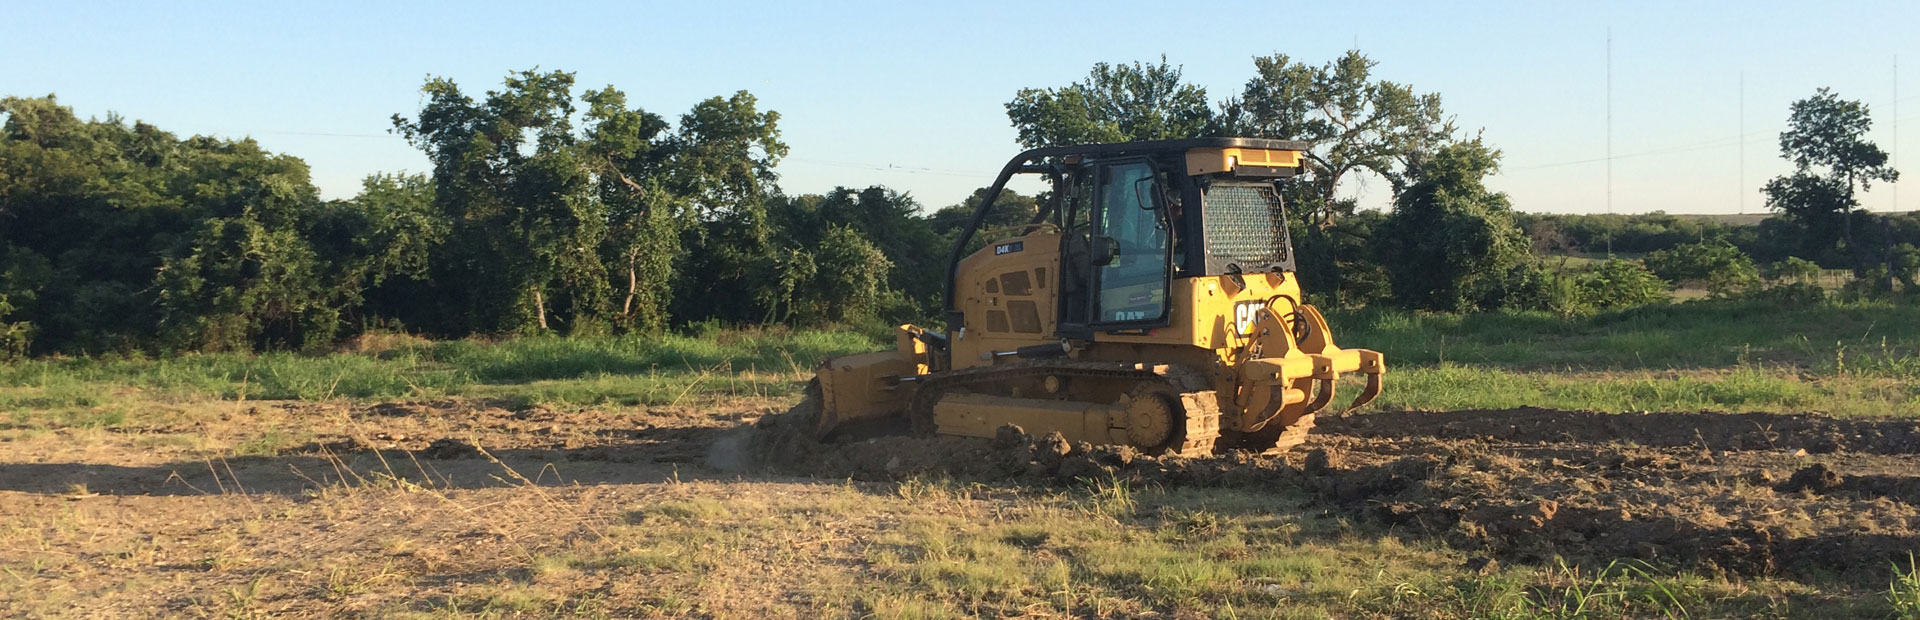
884,167
1715,143
317,133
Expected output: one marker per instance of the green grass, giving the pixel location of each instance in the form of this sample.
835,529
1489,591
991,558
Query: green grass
1903,595
632,370
1450,386
1715,355
1699,334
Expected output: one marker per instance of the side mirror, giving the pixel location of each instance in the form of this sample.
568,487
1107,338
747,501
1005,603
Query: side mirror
1105,251
1143,193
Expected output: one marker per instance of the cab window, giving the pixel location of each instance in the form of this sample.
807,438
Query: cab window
1132,282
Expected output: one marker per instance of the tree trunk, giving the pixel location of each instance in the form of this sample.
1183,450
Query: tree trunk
633,284
1886,283
1846,225
1846,217
540,308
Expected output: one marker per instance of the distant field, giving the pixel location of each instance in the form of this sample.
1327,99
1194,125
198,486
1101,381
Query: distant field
1734,219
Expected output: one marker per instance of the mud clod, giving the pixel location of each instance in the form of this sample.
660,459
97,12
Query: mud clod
1318,461
1816,478
449,448
1009,437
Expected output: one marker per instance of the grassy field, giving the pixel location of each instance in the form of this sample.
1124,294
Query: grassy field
275,485
1735,356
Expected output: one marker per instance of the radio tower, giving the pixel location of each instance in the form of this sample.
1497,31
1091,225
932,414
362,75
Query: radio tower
1610,139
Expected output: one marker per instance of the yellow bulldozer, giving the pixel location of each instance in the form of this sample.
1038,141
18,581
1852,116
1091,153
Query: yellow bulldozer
1151,302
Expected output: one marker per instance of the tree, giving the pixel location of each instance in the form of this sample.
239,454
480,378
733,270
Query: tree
1011,209
848,279
510,174
241,283
814,233
890,220
1450,241
1355,124
549,221
1826,142
1115,103
1904,264
122,236
375,248
628,152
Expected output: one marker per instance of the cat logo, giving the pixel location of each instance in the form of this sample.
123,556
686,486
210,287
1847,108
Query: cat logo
1244,313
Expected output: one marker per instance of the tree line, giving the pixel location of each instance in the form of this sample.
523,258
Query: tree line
551,209
543,211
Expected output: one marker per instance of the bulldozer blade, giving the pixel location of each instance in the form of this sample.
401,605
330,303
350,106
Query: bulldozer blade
825,422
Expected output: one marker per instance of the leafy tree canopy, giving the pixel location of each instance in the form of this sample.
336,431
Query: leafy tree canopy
1825,140
1115,103
1450,240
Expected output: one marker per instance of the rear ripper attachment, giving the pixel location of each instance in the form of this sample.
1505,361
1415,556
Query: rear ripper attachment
1151,303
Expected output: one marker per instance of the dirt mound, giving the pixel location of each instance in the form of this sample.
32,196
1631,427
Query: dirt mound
785,443
1713,431
1548,484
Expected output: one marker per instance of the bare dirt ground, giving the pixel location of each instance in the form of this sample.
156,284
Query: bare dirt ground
462,507
1729,494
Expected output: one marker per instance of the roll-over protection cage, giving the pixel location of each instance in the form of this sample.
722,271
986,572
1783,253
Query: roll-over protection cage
1051,161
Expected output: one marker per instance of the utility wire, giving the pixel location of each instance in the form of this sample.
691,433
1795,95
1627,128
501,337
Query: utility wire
1715,143
323,134
884,167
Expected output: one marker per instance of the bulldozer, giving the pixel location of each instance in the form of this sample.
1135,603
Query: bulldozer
1152,301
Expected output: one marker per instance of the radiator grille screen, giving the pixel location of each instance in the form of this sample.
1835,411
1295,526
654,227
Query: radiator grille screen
1246,226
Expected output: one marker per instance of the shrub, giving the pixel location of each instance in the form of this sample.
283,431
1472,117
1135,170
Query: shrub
1795,293
1621,284
14,335
1904,261
1793,269
1715,265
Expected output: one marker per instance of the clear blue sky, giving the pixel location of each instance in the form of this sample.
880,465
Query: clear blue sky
911,95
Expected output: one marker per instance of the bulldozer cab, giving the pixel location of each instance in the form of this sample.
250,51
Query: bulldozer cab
1132,218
